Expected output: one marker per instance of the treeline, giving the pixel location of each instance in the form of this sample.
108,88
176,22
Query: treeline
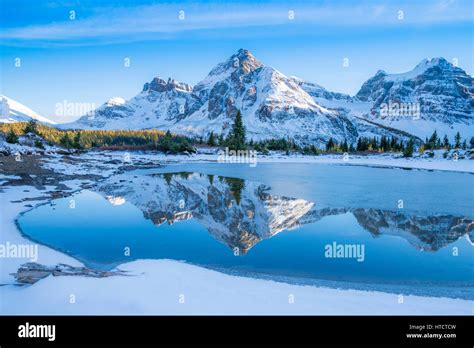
436,143
111,139
383,144
236,140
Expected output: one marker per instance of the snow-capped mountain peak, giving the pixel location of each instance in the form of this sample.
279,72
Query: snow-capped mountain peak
160,85
114,101
272,104
240,63
428,63
160,104
420,68
435,95
243,62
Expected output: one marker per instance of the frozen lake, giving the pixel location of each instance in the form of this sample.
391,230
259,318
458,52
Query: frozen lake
343,226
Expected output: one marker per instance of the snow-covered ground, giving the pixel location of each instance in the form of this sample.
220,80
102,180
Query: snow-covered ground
383,159
172,287
12,111
461,163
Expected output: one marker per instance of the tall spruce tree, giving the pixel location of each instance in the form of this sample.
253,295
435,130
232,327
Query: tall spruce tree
77,141
221,140
433,141
408,152
236,138
457,140
12,138
330,144
446,144
31,127
211,141
344,146
66,141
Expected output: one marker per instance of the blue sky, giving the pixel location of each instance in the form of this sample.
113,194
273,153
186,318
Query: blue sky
81,60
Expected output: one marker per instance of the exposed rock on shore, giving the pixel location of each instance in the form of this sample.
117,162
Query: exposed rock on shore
31,272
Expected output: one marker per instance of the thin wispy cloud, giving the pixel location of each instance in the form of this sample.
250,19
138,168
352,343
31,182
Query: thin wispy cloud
443,5
161,20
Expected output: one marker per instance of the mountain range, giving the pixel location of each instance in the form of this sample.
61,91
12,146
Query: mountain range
435,95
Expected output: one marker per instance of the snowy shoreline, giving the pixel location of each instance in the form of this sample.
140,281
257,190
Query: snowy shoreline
194,290
385,161
388,160
205,291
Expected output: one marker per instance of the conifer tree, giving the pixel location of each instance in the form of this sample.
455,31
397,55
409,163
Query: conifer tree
66,141
330,144
457,140
221,139
77,141
446,144
236,138
31,127
433,141
211,140
344,146
408,152
12,138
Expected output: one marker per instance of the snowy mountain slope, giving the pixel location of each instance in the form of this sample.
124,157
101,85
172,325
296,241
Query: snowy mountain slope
434,95
353,109
317,91
12,111
159,105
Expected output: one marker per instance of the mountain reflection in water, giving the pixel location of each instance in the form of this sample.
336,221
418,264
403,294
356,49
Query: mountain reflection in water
241,213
